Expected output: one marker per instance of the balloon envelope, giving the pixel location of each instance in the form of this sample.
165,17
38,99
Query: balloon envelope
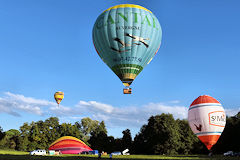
69,145
127,37
58,96
207,119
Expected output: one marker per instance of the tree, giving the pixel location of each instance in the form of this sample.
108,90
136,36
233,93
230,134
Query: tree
126,141
23,139
10,139
139,143
101,128
86,126
67,129
1,133
188,139
229,140
52,129
99,139
159,136
118,144
40,134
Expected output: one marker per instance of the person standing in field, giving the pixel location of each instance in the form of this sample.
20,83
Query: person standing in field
99,155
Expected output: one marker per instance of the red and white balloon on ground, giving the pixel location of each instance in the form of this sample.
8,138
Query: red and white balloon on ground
207,119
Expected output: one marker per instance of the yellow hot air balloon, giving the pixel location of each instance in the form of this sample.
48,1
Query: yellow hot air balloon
58,97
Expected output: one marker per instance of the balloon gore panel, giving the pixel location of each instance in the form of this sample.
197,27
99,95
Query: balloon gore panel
207,119
126,38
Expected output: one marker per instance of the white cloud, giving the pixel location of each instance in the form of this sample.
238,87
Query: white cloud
113,116
5,108
96,105
27,100
174,101
128,116
232,112
13,103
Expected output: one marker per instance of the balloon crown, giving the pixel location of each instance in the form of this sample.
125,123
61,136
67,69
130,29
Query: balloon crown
204,99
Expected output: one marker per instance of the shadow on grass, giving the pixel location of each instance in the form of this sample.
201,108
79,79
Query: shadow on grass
203,157
28,157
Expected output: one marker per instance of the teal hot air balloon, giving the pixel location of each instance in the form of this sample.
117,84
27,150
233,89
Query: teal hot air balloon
127,37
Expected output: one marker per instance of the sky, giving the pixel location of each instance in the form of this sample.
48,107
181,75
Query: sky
46,46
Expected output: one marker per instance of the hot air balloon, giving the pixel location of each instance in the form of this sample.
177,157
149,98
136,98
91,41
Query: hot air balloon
207,119
69,145
58,97
126,37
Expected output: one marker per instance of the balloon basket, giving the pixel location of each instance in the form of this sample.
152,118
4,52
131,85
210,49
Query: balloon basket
127,91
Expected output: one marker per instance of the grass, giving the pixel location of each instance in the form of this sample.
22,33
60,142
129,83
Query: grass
13,152
18,155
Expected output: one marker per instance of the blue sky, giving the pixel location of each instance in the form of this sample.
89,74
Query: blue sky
46,46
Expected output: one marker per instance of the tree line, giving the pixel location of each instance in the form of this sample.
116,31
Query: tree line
161,135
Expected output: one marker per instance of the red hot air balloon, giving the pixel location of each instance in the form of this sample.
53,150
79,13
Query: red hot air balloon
69,145
207,119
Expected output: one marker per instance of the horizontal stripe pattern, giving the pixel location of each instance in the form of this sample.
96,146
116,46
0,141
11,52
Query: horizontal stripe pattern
121,69
58,96
66,138
127,34
130,68
69,145
127,6
205,105
208,133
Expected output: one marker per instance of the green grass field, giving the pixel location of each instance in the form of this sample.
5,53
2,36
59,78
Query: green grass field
18,155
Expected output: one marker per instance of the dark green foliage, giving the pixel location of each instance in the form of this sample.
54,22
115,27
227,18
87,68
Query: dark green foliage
126,140
39,135
1,133
86,126
139,144
120,144
52,129
10,139
164,136
159,136
188,139
99,139
67,129
230,139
